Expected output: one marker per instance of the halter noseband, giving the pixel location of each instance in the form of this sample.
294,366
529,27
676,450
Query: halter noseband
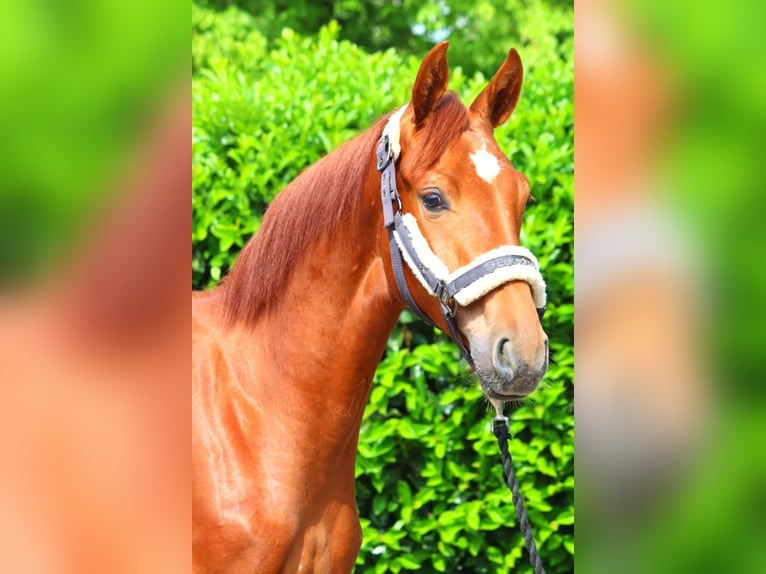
453,289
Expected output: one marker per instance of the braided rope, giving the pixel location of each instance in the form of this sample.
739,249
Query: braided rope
501,431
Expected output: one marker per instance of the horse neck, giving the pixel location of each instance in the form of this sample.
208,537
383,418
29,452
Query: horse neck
321,342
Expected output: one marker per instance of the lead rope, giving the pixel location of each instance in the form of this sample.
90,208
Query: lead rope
500,428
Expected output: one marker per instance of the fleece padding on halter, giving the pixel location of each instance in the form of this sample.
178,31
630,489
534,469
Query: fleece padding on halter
393,129
485,273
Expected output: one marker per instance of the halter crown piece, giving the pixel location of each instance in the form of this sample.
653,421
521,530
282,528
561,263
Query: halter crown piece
462,286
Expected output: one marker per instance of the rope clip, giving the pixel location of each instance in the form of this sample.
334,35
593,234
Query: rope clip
498,423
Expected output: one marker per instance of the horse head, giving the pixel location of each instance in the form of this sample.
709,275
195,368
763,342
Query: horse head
462,204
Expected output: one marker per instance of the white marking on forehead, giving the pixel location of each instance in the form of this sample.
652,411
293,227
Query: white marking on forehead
392,130
486,164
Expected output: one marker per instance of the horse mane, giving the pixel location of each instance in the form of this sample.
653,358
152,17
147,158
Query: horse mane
316,203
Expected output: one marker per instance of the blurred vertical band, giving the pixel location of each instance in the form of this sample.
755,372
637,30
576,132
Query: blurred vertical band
669,278
94,220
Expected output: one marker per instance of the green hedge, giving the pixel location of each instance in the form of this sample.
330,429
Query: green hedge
412,25
260,116
430,489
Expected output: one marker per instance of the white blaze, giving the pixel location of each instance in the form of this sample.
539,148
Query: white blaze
486,164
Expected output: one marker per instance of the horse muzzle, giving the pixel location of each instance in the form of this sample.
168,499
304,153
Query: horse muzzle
513,375
508,345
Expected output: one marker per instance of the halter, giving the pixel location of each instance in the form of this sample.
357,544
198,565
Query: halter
454,289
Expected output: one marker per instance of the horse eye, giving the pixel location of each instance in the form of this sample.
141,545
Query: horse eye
433,201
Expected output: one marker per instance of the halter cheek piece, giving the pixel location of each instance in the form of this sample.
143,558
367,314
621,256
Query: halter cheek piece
453,289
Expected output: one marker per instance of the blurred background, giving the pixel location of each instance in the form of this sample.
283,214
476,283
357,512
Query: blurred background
669,405
94,223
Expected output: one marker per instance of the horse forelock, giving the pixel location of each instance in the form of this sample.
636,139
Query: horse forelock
446,124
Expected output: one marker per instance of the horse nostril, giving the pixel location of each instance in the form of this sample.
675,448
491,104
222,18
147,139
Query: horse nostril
501,359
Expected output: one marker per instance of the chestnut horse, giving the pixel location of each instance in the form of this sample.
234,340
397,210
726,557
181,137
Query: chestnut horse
285,349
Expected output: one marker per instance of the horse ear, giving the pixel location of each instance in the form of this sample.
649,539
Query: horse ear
431,83
498,99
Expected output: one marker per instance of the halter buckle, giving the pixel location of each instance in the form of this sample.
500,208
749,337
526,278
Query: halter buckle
384,153
448,303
